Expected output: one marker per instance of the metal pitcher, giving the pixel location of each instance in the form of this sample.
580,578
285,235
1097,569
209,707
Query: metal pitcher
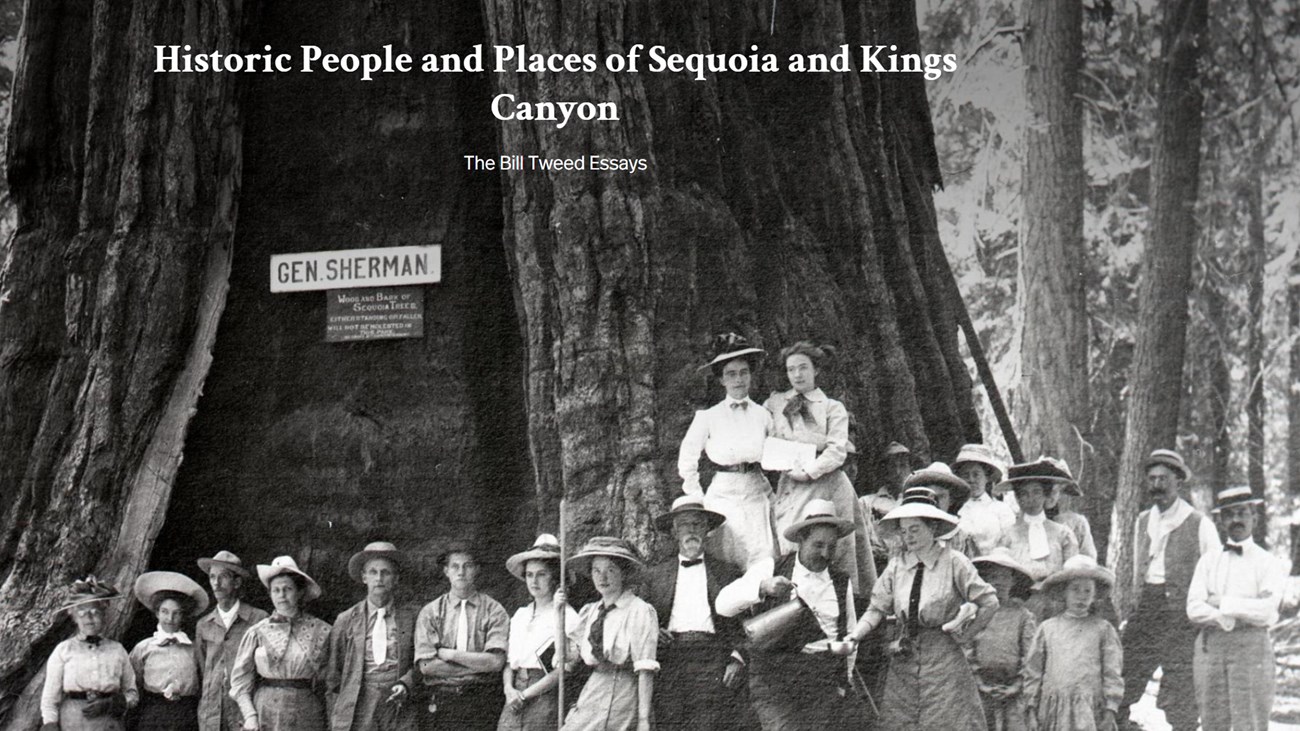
767,629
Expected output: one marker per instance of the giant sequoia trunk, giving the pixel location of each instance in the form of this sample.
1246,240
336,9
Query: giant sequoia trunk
788,206
1155,390
126,187
1052,402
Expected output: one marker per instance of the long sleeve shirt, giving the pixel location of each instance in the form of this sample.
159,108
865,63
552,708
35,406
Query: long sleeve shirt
1228,589
728,433
949,581
631,633
165,664
986,519
828,432
279,650
77,666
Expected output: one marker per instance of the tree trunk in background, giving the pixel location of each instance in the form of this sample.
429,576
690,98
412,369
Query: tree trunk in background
126,187
790,206
1156,384
1256,255
1293,392
1052,400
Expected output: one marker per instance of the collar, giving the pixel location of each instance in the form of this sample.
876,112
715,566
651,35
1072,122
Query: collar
1246,545
728,400
178,637
799,568
371,609
929,557
236,610
814,395
1040,519
622,601
453,600
985,498
681,558
1177,512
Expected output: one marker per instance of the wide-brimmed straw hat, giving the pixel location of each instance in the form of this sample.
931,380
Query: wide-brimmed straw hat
88,591
606,546
1081,566
920,502
980,454
545,548
1230,496
224,560
938,474
728,346
1044,469
689,504
378,549
1001,556
1170,459
282,565
150,583
815,513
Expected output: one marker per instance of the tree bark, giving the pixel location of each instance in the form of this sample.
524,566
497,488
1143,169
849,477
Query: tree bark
1052,400
1256,255
126,186
1156,386
788,205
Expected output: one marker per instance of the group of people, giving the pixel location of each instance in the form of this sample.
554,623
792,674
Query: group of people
976,612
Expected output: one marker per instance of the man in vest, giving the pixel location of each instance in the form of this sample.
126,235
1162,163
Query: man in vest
371,674
1170,537
217,637
699,662
795,681
1233,598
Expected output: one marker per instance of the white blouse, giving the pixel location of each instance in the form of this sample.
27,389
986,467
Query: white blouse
532,634
729,433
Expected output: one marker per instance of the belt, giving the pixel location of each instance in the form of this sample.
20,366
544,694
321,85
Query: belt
742,467
694,638
150,695
88,695
294,683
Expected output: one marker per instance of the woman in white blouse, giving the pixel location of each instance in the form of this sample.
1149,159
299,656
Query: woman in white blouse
619,641
89,684
806,414
529,676
731,435
166,668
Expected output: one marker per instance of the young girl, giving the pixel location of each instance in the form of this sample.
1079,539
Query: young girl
1072,677
999,653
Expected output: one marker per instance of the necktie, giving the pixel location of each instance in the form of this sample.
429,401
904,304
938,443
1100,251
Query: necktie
689,562
93,640
379,637
597,635
462,626
798,406
1232,548
914,602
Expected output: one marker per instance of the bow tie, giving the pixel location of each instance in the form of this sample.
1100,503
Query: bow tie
280,619
740,404
689,562
92,640
168,642
1232,548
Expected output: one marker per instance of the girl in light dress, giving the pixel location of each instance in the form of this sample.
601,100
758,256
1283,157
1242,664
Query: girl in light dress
1072,677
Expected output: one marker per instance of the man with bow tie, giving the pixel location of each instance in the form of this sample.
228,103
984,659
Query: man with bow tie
1234,598
700,667
1170,537
371,675
216,639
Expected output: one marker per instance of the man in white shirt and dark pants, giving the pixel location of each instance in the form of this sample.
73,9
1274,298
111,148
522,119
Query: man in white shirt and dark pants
1170,537
795,681
700,667
1233,598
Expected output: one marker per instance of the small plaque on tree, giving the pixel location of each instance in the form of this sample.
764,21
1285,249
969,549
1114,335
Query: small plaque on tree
377,313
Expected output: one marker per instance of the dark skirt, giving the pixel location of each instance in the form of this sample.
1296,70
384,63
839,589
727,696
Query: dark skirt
156,713
539,714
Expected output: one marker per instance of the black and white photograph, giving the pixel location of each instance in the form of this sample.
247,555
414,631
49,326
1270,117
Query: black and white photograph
650,365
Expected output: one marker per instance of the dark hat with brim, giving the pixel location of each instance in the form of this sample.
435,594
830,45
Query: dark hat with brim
1045,470
149,584
1171,459
729,346
89,591
685,505
378,549
224,560
938,474
545,548
607,546
818,512
1081,566
285,565
1231,496
897,450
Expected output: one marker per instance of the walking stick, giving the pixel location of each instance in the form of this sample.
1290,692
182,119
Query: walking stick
561,637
